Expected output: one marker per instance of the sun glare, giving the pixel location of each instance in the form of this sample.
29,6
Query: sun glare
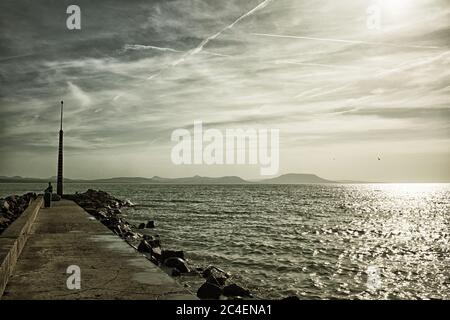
397,6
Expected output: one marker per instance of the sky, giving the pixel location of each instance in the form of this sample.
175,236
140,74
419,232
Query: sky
342,92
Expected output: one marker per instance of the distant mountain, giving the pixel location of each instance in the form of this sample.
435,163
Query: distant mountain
296,178
17,179
154,180
291,178
186,180
120,180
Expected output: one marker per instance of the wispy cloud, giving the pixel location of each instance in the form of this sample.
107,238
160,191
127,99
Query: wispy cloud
310,68
411,46
78,94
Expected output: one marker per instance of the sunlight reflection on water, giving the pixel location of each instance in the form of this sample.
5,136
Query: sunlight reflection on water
315,241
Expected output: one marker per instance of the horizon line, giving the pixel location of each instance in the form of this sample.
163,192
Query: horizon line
248,180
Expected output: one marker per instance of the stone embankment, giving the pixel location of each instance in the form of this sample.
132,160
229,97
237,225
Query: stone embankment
12,207
107,209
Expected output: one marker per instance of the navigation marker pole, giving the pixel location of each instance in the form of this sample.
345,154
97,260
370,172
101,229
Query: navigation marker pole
59,181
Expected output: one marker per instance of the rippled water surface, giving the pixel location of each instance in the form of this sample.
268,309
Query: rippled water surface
367,241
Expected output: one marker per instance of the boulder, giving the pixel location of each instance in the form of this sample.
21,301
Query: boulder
148,237
177,263
141,226
156,253
209,291
150,224
233,290
144,246
155,242
176,272
217,281
215,275
90,210
165,254
127,203
5,206
11,199
4,222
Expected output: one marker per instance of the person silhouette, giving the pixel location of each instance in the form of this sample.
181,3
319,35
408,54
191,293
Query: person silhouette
48,195
49,188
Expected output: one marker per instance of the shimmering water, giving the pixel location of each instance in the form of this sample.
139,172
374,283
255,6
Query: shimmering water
371,241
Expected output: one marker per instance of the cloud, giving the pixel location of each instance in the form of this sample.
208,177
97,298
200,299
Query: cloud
79,95
314,71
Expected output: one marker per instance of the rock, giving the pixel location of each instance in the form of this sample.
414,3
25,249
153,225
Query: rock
178,263
56,197
12,207
141,226
156,253
5,206
209,291
148,237
218,282
4,222
291,298
144,246
150,224
155,243
215,275
11,199
176,272
120,229
165,254
127,203
91,210
233,290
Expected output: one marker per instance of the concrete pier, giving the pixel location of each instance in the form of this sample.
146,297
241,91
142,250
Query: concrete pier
66,235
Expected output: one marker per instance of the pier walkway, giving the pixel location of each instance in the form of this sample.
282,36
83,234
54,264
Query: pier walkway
53,239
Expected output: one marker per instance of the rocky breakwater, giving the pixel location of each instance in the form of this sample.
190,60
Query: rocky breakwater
217,284
12,207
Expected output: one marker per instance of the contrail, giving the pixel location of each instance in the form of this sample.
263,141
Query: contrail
16,57
216,54
406,65
137,47
311,64
345,41
200,47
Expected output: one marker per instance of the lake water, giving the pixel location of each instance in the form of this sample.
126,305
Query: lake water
365,241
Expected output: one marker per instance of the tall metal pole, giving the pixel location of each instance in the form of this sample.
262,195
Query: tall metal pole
59,181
